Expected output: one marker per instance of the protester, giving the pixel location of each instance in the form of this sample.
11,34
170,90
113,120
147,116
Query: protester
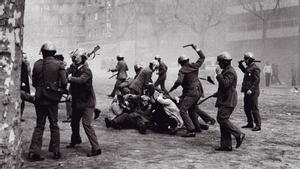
268,73
25,86
83,101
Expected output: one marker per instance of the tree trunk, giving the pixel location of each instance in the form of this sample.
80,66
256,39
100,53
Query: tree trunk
11,21
298,74
264,38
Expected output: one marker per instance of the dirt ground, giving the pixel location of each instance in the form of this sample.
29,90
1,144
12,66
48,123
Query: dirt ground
276,146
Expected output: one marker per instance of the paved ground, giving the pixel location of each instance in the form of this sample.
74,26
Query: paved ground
276,146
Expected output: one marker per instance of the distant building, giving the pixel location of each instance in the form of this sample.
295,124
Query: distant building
65,22
244,33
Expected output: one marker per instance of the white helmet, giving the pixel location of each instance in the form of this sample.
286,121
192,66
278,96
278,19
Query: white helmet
248,55
154,64
78,53
224,56
157,57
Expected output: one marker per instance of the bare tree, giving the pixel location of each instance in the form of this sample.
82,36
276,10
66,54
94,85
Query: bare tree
200,15
12,13
161,20
259,9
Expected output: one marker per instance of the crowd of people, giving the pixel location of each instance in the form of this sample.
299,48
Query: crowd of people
138,102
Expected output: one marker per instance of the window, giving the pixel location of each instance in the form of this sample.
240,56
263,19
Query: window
96,16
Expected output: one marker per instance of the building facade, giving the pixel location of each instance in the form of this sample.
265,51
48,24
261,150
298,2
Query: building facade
278,44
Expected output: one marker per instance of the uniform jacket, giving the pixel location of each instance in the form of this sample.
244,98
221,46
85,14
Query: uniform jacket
251,78
48,71
142,80
188,78
121,68
162,71
227,94
81,88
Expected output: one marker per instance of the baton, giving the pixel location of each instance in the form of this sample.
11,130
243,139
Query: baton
188,45
113,76
209,79
205,99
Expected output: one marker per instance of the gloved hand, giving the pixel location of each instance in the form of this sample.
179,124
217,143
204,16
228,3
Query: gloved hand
218,70
249,92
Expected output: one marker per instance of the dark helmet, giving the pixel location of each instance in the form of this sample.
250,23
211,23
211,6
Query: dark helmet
224,56
182,59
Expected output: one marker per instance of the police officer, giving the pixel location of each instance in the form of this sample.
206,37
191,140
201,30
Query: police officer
48,78
144,79
192,90
122,69
226,102
250,88
162,74
83,101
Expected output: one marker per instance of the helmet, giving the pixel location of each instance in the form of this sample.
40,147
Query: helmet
154,64
224,56
119,57
157,57
182,59
137,67
79,52
249,55
48,46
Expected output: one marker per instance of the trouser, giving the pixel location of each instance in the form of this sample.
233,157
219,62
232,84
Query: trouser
226,127
187,108
251,108
69,108
42,112
86,114
204,116
161,82
116,87
194,117
268,79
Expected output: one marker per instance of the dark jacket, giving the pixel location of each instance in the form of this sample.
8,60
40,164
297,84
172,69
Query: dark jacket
227,94
142,80
162,71
121,68
48,72
251,78
188,78
81,88
25,77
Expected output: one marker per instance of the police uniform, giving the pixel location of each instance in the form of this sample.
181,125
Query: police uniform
48,71
162,76
142,81
192,90
122,69
251,82
226,102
